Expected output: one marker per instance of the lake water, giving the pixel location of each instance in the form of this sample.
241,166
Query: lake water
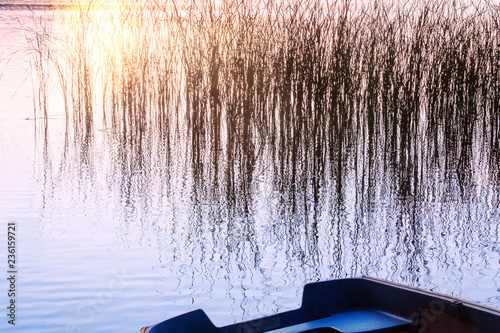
120,229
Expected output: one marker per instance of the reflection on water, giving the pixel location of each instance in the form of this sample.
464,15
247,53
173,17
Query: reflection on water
341,144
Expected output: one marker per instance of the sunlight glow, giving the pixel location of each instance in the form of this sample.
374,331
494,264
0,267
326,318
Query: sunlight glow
107,44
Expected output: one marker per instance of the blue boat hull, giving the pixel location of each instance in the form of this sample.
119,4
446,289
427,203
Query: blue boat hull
356,305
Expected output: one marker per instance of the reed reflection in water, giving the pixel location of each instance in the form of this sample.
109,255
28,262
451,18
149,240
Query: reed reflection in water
261,146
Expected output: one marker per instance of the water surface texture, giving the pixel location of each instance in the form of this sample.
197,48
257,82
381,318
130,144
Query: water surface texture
160,158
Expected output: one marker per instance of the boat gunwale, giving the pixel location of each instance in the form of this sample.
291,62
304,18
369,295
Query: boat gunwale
427,292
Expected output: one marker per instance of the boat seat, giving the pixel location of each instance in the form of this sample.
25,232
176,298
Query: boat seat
356,321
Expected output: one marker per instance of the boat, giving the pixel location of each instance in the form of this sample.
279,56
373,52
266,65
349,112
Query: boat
356,305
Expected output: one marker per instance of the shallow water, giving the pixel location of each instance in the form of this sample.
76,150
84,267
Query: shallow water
114,234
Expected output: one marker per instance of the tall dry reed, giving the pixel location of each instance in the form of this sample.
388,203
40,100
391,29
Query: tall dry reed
314,85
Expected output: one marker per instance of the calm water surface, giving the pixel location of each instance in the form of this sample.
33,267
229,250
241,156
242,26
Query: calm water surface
115,234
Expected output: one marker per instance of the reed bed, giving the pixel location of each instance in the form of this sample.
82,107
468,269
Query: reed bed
323,110
318,87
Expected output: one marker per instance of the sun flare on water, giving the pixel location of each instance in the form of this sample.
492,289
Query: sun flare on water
105,42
